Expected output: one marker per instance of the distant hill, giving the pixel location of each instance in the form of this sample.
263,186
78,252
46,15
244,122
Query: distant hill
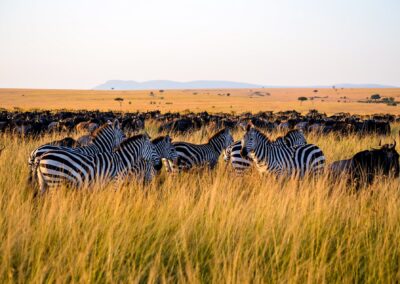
165,84
206,84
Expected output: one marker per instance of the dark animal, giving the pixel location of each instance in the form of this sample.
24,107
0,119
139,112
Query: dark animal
365,166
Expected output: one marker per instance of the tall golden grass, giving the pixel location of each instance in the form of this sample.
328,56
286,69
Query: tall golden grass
202,226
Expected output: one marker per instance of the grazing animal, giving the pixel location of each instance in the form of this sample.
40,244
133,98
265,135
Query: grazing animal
280,158
200,155
240,164
364,166
80,170
145,171
106,138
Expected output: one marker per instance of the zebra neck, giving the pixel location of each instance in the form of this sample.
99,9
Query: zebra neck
101,144
217,144
159,149
262,149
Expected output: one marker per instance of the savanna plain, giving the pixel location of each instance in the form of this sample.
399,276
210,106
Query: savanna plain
202,226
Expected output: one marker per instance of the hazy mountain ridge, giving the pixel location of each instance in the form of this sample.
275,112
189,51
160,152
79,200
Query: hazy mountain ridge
210,84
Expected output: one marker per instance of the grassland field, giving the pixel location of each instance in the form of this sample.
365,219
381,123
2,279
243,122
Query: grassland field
202,226
329,100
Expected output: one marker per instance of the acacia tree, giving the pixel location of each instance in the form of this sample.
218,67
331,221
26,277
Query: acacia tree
375,97
120,100
302,99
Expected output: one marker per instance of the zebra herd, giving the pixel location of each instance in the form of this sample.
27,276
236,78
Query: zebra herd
112,156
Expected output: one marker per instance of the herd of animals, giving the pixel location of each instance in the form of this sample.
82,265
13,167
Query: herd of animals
36,123
110,152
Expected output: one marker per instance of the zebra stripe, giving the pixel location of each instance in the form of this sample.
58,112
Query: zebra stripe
60,166
200,155
145,171
240,164
280,158
105,139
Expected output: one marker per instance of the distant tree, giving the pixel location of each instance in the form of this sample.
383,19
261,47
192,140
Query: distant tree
120,100
315,91
228,94
375,97
161,91
302,99
112,88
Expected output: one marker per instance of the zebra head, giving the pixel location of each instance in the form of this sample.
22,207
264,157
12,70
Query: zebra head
227,138
165,148
118,134
249,141
149,153
221,140
108,136
136,148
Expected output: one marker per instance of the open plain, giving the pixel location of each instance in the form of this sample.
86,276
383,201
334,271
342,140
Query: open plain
328,100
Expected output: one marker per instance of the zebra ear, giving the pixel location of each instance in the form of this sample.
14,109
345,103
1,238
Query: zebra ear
116,123
145,134
249,126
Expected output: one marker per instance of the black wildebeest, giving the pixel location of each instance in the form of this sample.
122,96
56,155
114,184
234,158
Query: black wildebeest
364,166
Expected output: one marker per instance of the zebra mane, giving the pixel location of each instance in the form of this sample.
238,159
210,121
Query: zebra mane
217,134
158,139
130,140
292,131
258,132
98,131
283,137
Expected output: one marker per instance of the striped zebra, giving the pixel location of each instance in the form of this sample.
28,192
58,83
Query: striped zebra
200,155
146,171
280,158
240,164
80,170
105,139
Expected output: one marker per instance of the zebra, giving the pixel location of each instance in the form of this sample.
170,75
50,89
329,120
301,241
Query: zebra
200,155
280,158
145,171
240,164
80,170
105,139
291,139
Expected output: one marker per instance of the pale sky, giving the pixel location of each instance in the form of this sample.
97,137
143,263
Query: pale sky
83,43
